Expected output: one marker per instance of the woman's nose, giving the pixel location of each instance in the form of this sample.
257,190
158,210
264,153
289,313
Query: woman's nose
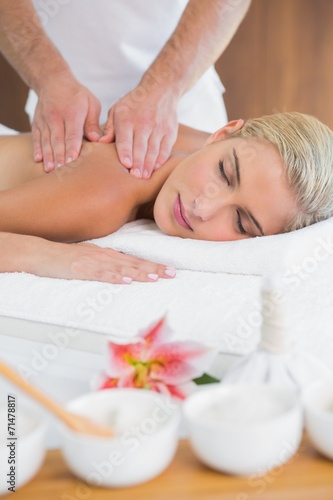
206,207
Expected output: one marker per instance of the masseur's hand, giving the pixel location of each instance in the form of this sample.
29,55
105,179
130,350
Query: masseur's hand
144,125
81,261
66,111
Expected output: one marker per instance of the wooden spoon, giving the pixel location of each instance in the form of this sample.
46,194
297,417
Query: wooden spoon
74,422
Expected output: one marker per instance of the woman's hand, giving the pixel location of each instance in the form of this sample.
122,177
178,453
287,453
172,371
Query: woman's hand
81,261
86,261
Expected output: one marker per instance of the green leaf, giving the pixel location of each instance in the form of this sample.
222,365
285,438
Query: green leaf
205,379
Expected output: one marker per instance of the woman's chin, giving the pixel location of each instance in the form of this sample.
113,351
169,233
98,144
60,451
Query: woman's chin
164,228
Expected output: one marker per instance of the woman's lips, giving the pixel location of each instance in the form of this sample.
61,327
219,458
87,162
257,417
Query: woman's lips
179,213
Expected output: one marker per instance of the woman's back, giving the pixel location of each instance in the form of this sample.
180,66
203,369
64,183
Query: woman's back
90,197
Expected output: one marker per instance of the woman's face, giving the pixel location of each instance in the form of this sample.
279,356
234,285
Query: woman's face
231,189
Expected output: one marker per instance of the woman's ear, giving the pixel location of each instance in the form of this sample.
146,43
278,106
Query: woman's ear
223,132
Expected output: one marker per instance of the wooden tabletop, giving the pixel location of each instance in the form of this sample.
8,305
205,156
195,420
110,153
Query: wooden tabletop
306,476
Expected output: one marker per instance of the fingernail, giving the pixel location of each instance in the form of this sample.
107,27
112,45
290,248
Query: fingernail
94,135
153,276
170,271
38,158
126,279
69,159
136,172
49,165
146,174
58,165
126,162
157,166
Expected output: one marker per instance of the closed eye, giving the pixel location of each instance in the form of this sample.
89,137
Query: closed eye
239,219
222,171
239,223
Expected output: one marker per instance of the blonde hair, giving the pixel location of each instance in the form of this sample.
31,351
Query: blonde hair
306,148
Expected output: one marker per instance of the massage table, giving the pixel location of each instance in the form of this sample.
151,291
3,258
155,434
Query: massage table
55,332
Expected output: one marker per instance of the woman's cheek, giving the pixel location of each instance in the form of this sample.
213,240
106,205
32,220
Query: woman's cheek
207,182
212,189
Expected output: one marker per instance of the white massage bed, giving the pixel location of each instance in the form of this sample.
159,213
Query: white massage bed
55,331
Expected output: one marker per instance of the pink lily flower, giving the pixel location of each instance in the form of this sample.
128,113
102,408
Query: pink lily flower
152,362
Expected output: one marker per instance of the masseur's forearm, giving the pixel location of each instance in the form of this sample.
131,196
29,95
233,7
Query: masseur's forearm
26,46
204,31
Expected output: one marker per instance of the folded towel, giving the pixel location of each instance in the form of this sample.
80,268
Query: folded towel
221,309
256,256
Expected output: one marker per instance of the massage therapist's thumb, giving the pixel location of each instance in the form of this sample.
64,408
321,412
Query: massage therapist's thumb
91,127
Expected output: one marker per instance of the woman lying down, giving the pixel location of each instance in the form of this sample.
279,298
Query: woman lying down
262,177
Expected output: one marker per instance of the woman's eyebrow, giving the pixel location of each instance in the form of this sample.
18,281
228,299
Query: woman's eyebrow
236,166
237,172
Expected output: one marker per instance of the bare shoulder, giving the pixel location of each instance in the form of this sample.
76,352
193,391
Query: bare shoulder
88,198
16,161
19,139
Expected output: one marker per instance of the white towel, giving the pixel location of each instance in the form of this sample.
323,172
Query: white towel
255,256
221,308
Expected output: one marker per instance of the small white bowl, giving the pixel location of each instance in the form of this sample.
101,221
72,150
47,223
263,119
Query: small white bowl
318,409
244,429
26,453
146,437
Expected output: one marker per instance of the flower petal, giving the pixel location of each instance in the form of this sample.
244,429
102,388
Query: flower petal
120,355
179,362
182,391
106,382
128,381
158,386
177,391
157,333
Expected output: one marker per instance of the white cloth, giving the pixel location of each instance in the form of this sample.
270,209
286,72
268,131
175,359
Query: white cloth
110,43
292,254
7,131
219,308
295,369
277,361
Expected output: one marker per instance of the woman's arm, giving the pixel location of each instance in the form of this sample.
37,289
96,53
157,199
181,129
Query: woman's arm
82,261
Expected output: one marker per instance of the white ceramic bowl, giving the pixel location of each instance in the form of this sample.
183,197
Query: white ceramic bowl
318,409
146,437
26,453
244,429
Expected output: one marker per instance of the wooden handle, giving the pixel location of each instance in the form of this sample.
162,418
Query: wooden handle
23,384
74,422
